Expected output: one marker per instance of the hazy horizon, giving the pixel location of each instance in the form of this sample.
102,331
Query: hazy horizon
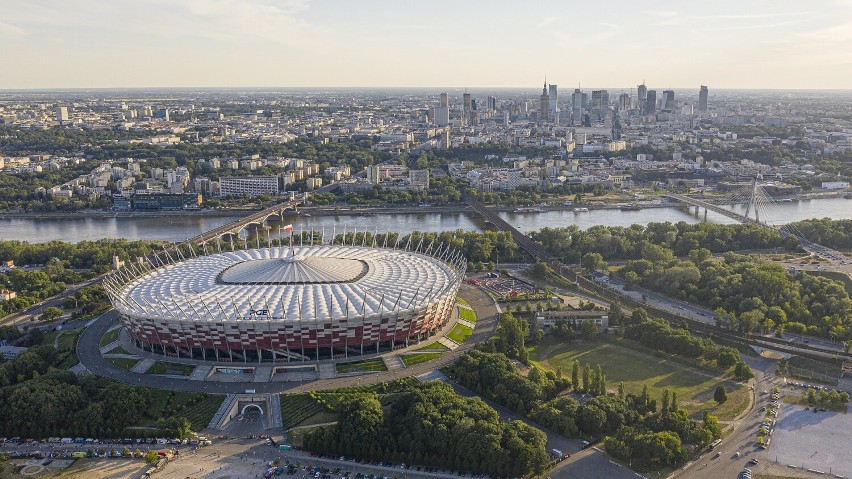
80,44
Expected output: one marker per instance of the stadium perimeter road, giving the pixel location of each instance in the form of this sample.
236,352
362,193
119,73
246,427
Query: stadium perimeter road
88,352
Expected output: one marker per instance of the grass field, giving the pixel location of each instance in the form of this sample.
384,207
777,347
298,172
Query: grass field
199,408
460,333
68,348
412,359
299,408
162,367
461,300
436,346
119,350
361,366
109,337
620,363
467,315
123,363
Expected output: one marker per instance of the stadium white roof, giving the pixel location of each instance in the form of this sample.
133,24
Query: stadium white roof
309,282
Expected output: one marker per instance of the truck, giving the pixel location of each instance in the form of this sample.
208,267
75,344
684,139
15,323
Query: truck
285,447
250,391
557,454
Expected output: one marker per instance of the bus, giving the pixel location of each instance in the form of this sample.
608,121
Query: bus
715,444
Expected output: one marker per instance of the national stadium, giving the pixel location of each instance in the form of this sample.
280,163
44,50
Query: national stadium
286,303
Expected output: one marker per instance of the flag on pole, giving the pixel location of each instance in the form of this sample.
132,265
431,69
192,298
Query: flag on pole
287,229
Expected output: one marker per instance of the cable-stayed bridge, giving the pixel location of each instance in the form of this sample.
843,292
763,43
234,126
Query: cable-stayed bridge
762,209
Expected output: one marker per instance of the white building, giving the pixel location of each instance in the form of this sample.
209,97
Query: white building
835,185
248,185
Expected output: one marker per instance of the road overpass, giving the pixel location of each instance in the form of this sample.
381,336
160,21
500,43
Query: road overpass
257,218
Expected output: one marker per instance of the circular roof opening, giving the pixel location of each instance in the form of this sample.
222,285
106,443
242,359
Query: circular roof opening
296,269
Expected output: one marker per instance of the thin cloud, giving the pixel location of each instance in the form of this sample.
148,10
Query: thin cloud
12,30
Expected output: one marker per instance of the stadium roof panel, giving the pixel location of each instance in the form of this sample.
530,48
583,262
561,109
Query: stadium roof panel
326,282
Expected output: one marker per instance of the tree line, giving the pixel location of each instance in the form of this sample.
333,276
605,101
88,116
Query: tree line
634,420
747,293
429,424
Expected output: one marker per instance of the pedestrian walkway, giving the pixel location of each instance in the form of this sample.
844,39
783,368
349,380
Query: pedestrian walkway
200,373
393,362
262,374
275,411
143,366
448,343
78,368
109,347
221,415
327,370
467,323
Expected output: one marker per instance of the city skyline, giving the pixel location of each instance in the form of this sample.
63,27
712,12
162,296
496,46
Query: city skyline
303,43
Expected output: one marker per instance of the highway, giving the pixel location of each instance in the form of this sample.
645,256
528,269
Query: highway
25,317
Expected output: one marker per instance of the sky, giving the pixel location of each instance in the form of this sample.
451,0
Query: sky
782,44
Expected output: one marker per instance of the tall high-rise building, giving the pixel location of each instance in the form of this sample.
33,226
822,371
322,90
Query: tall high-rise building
577,107
668,101
466,107
599,107
702,98
544,104
554,104
492,103
616,124
651,102
445,99
62,114
624,101
642,92
442,116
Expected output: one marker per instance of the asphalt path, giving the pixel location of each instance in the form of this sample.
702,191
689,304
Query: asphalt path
88,352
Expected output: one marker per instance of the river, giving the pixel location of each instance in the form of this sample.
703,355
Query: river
179,228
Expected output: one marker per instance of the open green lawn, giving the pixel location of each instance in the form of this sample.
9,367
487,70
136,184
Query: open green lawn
461,300
412,359
109,337
436,346
460,333
621,363
123,363
162,367
467,315
362,366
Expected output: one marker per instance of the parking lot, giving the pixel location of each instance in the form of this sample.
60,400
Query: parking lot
810,440
506,287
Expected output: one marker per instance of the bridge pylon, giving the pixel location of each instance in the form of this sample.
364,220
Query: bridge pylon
751,202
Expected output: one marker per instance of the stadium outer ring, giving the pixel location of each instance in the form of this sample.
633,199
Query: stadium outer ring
193,331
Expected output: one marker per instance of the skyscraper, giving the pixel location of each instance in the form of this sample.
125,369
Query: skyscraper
554,105
577,107
544,104
642,90
492,103
466,107
702,98
651,102
668,101
624,101
599,107
62,114
445,99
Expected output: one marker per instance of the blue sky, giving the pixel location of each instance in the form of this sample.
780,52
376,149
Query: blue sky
431,43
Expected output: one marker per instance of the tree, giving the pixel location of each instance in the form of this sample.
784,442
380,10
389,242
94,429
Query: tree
720,395
589,330
587,378
50,313
151,457
811,397
575,375
743,372
638,316
665,404
616,314
592,262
